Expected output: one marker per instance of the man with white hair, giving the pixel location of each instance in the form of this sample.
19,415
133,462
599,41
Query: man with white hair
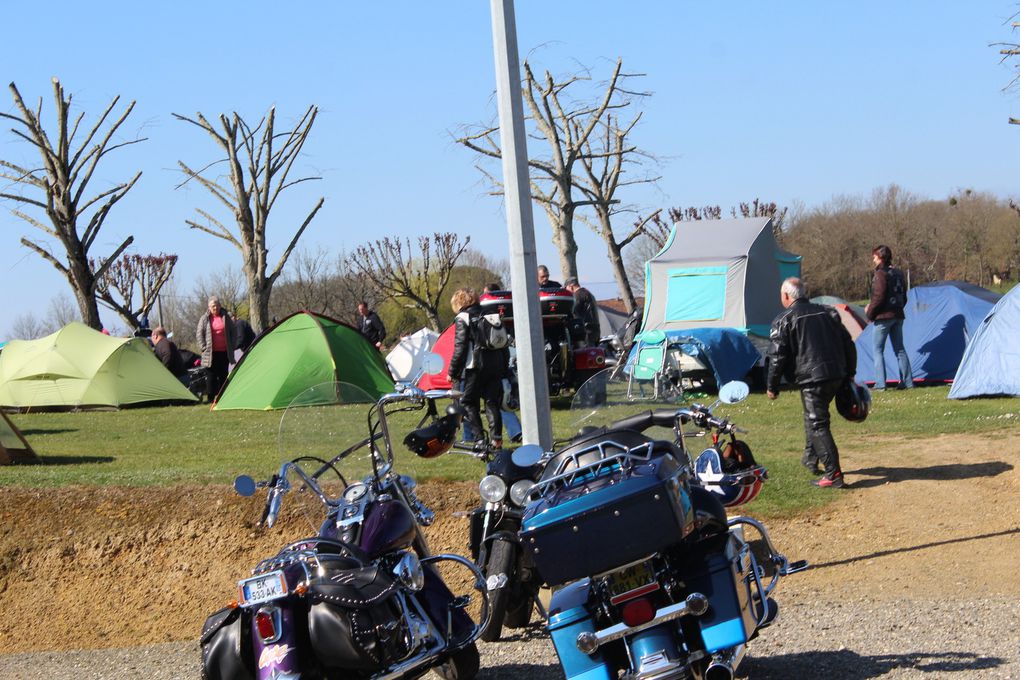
812,349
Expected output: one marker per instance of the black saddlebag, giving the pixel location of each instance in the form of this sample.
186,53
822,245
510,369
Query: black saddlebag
226,646
355,621
608,518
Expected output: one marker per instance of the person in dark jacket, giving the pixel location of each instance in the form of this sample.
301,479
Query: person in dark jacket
167,352
586,312
813,350
544,282
888,298
482,370
371,326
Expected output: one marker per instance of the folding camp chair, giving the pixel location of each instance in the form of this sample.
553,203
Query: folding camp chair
652,365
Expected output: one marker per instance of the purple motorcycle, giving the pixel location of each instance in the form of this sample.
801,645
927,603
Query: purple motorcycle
363,597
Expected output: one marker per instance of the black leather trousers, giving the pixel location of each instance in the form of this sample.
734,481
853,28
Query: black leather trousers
819,446
486,385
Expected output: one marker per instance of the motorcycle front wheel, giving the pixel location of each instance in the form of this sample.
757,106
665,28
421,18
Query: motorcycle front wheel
462,665
500,561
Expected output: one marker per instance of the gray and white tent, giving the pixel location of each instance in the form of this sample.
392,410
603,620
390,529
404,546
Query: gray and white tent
717,274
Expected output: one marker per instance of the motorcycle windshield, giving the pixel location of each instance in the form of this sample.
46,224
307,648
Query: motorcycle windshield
324,433
618,392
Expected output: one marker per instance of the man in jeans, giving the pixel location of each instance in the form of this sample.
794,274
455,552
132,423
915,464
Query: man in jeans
888,298
812,349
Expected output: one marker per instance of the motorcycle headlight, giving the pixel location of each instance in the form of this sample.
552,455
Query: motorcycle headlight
519,491
492,489
409,572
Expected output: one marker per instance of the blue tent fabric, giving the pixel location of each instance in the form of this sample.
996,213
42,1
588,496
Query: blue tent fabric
726,350
991,362
941,317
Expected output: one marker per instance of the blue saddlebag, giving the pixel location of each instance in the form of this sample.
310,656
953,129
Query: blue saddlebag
568,618
724,578
608,518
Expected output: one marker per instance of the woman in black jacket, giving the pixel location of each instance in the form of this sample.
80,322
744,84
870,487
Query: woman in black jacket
482,370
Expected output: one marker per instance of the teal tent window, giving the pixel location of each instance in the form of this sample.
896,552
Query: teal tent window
696,294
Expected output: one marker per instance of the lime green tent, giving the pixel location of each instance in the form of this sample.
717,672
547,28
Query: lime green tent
301,351
78,367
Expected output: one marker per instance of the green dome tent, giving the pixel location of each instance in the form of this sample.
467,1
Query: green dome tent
303,350
78,367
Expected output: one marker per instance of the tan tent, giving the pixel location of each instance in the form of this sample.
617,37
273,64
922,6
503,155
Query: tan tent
14,448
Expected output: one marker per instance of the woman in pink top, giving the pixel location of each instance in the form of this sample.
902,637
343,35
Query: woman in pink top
215,335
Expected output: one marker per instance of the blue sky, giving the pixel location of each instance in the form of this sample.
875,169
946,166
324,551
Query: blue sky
794,102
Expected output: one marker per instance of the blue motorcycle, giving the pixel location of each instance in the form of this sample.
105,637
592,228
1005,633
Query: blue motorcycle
651,579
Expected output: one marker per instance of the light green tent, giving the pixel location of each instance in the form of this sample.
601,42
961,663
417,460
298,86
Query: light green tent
303,350
78,367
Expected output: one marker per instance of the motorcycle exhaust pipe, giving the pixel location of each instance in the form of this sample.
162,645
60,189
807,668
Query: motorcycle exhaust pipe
724,666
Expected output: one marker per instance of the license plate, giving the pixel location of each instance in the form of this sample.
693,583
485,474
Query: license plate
632,582
263,588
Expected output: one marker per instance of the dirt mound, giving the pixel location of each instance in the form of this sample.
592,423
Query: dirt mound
109,567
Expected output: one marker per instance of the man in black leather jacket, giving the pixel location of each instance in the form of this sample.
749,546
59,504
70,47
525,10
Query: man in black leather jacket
813,350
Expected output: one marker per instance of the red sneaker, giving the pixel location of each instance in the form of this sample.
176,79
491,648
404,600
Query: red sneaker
833,481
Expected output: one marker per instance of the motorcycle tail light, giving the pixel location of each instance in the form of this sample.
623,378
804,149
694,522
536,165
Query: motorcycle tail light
638,611
265,625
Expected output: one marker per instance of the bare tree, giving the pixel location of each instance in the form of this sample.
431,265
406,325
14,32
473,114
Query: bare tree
29,327
259,160
59,186
565,124
395,270
145,274
62,311
604,164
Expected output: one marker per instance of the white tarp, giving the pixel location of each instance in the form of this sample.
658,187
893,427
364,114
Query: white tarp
405,360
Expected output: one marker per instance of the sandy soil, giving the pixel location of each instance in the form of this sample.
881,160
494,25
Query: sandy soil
113,567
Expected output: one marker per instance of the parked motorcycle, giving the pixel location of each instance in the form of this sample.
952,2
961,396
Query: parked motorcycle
510,577
362,597
651,579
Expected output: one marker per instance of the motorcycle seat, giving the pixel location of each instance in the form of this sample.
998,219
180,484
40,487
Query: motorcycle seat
356,588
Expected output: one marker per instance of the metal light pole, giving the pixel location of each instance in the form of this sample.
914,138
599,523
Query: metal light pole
536,420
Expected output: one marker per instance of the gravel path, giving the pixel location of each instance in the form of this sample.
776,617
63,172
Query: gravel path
851,640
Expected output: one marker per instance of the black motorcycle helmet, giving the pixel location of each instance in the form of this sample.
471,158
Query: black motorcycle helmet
853,401
435,438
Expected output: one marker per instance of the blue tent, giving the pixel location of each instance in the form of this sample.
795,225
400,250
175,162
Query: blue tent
941,317
991,364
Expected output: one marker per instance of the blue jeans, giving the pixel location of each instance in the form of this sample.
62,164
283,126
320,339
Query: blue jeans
892,329
511,425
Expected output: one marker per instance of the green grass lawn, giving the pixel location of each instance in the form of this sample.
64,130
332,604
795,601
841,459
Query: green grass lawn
193,445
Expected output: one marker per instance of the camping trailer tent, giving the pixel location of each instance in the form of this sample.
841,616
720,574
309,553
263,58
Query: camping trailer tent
303,350
941,317
717,274
79,367
991,361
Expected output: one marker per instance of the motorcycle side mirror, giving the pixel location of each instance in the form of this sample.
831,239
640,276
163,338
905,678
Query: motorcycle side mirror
734,392
433,363
527,455
244,486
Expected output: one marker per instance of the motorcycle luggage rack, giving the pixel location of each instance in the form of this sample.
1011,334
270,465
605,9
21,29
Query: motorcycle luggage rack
623,459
